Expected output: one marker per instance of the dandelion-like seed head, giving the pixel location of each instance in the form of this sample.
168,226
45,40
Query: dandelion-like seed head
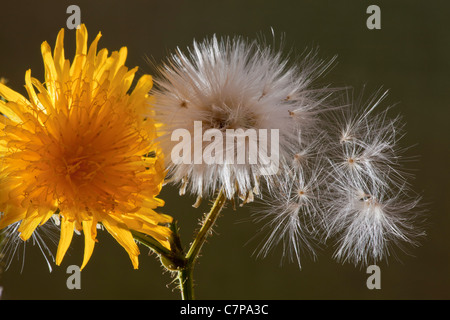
291,214
348,184
371,226
371,209
231,84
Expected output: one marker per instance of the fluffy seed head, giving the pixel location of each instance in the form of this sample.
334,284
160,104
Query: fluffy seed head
370,207
234,84
291,213
370,224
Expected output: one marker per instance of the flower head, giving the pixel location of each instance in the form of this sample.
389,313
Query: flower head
80,147
231,85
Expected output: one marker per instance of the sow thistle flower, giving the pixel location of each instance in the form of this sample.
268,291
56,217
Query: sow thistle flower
81,148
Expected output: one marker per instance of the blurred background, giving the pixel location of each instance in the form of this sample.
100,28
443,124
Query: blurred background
409,56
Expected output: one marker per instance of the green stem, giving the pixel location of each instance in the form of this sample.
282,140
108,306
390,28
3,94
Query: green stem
186,281
174,259
210,219
185,275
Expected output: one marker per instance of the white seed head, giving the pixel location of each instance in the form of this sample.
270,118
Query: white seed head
291,214
370,207
234,84
370,224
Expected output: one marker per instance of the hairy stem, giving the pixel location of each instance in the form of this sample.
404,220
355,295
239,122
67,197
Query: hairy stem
175,259
185,275
186,281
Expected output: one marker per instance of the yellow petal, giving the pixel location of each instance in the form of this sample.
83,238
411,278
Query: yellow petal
11,95
82,38
30,89
46,214
28,225
145,83
11,215
93,48
122,235
65,239
51,76
13,108
143,86
120,61
90,234
58,53
80,57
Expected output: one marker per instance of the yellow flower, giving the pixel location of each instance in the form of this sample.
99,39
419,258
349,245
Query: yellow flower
82,147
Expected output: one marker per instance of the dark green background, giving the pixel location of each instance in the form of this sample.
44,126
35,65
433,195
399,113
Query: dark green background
409,56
